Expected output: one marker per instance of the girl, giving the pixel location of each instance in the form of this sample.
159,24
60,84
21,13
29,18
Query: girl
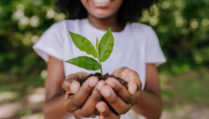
136,53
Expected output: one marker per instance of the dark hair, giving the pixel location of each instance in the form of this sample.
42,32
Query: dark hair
130,10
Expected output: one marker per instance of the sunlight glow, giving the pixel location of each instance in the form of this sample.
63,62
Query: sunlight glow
50,14
37,96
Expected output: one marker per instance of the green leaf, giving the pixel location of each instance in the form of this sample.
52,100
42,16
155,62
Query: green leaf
83,44
85,62
106,46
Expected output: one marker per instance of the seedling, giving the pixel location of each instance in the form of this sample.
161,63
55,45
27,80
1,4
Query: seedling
101,52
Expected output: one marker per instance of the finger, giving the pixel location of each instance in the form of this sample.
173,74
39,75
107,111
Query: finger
103,109
81,96
66,86
79,114
114,101
85,90
119,88
132,87
101,117
71,87
74,87
134,82
105,112
72,79
88,107
79,75
126,74
129,76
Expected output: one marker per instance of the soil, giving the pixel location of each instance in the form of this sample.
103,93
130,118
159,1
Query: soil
104,77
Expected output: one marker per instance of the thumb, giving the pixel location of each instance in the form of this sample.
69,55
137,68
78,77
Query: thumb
71,86
132,87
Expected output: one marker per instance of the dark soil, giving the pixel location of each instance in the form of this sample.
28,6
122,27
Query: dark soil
104,77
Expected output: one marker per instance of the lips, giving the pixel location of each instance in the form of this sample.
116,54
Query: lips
101,3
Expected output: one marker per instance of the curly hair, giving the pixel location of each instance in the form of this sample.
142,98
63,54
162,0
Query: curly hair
130,10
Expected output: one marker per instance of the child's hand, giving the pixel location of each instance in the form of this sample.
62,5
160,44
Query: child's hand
71,85
86,95
131,77
118,97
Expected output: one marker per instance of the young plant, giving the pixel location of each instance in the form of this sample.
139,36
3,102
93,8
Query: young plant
101,52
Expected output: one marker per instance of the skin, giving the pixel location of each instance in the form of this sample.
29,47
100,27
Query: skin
146,103
103,18
57,105
86,99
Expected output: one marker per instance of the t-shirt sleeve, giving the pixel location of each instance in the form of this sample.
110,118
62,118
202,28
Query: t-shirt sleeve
50,43
154,52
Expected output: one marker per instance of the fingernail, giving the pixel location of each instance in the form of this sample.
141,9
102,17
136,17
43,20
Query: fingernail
102,108
100,84
92,82
67,83
111,82
106,92
74,87
133,89
67,86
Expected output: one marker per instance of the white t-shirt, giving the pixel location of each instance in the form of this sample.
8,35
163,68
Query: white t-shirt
134,47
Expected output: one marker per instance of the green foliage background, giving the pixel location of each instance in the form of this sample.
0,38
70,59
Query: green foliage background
182,27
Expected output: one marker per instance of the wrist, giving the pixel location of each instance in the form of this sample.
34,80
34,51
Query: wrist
66,104
135,99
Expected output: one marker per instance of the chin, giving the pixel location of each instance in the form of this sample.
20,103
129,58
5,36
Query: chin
101,14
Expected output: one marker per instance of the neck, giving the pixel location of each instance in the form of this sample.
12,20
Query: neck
105,23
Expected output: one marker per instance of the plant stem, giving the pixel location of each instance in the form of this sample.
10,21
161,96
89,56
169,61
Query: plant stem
97,49
101,71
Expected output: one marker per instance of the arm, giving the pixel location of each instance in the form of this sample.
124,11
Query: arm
146,103
149,101
54,95
57,106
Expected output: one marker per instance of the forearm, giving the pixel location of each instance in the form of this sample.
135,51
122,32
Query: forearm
149,105
54,108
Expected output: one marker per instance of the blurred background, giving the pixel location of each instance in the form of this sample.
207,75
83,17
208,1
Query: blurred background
183,30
